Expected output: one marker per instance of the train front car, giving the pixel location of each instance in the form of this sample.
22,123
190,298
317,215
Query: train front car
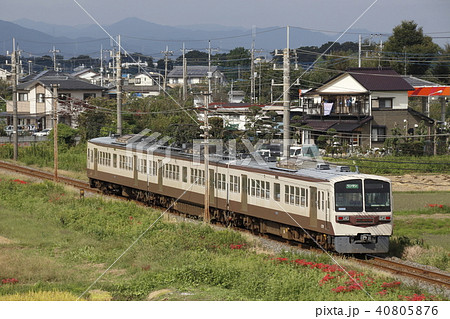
362,218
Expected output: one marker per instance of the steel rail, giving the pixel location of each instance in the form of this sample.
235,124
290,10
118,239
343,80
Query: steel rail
402,269
46,175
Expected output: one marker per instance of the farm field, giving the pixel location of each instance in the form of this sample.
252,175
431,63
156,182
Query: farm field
54,245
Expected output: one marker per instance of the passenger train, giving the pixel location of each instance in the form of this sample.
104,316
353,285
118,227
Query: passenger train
340,210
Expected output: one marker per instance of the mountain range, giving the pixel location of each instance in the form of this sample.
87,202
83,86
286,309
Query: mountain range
38,38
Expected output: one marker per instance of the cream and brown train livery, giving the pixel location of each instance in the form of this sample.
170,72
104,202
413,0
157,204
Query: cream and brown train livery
341,210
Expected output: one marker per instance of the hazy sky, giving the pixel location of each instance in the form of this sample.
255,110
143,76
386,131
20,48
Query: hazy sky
333,15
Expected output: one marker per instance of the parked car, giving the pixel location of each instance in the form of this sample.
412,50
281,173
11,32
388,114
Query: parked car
20,129
44,132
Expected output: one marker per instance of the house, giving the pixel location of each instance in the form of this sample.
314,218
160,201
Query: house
363,105
427,91
5,75
195,75
88,75
236,96
35,106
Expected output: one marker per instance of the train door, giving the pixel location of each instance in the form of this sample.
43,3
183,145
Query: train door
135,171
160,176
327,211
244,206
313,207
95,161
212,195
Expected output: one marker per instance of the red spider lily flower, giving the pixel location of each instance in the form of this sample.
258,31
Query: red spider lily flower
393,284
20,181
10,281
414,297
326,278
382,292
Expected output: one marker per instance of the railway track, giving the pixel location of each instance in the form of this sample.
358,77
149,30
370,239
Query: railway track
420,274
416,273
46,175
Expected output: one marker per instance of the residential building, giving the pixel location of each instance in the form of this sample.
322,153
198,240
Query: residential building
35,98
363,105
88,75
5,75
195,75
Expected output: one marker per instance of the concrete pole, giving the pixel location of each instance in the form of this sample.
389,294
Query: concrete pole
286,98
206,215
55,132
14,89
119,89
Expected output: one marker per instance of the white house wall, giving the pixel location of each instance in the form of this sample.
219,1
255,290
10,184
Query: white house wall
344,84
399,98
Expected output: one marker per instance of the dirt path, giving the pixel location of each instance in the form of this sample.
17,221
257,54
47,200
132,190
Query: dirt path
423,183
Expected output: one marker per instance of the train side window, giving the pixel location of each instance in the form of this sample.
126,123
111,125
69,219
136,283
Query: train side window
291,195
318,200
253,188
184,174
286,194
297,196
323,200
267,190
303,197
276,191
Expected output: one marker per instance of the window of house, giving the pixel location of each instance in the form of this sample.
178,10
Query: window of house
385,103
137,81
88,95
40,98
64,96
378,133
23,97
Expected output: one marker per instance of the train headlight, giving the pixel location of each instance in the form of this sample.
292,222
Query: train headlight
342,218
385,218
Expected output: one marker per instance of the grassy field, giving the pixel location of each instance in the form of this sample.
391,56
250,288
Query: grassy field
54,245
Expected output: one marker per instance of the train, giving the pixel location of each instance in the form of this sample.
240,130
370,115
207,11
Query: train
332,207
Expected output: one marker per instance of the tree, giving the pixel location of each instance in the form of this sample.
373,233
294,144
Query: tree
193,57
409,47
99,119
441,69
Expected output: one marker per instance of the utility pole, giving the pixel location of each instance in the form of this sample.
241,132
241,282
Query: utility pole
119,89
184,74
209,66
359,50
206,214
166,53
14,93
54,51
55,131
252,68
286,97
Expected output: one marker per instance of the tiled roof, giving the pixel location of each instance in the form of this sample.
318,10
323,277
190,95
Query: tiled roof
380,79
192,71
416,82
64,82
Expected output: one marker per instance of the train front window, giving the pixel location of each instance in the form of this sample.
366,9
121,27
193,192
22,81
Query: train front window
377,196
348,195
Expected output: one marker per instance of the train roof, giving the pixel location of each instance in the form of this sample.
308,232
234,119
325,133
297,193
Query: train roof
305,167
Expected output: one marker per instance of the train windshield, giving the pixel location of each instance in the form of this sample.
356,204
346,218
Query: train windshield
377,196
348,196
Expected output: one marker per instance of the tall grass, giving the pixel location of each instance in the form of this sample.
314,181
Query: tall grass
41,154
399,165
